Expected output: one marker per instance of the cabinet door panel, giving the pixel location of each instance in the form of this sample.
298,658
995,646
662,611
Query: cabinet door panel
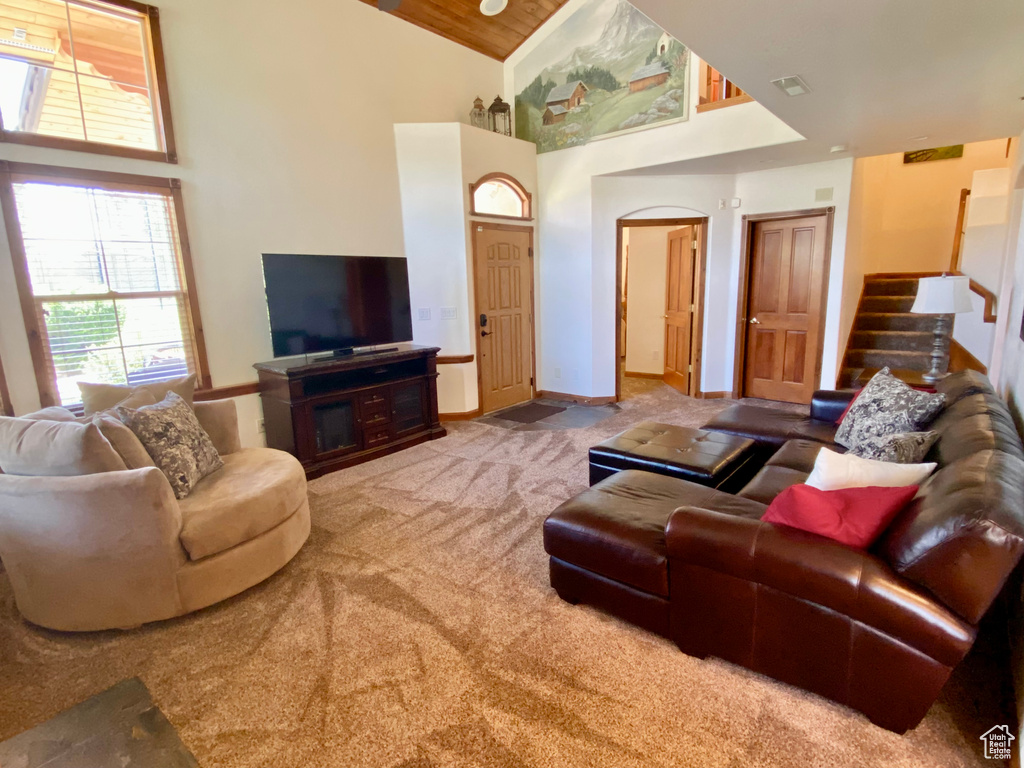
409,407
335,428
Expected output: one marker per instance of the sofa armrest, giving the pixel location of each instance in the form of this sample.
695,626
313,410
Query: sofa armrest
818,570
220,420
829,404
94,551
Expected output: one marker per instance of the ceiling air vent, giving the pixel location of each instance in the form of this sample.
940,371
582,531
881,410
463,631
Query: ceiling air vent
792,86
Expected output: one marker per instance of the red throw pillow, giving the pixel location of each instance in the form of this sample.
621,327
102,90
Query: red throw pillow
851,516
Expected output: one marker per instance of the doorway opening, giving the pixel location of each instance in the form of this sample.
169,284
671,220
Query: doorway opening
784,266
661,265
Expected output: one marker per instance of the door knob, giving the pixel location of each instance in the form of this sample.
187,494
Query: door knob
485,333
754,321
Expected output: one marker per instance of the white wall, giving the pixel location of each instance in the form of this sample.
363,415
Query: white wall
1007,369
982,256
787,189
283,116
436,164
776,190
645,304
906,213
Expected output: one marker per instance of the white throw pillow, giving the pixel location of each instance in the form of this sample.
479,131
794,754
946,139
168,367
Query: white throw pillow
835,471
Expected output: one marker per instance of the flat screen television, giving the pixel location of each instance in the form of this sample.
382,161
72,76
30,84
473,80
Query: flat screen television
336,303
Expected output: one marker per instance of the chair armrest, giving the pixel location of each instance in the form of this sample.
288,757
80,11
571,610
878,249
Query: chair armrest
220,420
94,551
829,404
813,568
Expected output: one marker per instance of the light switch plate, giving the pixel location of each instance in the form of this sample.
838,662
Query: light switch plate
449,313
423,314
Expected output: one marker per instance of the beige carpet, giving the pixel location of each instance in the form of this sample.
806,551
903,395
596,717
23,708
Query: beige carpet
417,629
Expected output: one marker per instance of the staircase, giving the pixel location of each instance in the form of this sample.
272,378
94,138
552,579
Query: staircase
886,333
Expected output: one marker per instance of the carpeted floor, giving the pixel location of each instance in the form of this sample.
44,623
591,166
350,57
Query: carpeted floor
416,629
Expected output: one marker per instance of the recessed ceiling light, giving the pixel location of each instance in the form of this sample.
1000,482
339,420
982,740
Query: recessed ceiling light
493,7
792,86
838,148
917,138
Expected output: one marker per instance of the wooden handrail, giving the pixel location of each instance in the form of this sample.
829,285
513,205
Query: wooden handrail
958,236
989,312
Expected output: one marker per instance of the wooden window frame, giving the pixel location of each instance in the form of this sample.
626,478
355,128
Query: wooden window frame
100,180
161,105
510,181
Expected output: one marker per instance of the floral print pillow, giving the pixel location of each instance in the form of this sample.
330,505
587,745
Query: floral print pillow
887,406
906,448
172,436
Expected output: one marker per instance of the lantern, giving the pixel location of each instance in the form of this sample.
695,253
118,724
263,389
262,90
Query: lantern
500,115
478,115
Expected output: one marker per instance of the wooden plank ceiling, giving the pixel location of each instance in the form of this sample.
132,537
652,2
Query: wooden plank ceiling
461,21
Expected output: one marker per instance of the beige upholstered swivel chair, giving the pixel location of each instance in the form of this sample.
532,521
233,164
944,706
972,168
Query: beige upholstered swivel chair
116,549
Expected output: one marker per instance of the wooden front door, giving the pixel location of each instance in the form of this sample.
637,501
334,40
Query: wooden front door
504,303
680,304
785,308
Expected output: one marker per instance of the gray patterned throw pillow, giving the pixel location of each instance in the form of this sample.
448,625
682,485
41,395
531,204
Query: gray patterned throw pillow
174,439
906,448
887,406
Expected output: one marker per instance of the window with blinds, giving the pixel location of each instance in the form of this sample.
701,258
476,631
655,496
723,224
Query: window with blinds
105,270
84,73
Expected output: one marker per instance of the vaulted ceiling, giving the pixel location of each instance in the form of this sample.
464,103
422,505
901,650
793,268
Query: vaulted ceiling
462,22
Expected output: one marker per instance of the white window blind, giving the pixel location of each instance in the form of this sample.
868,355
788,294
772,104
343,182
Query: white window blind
106,277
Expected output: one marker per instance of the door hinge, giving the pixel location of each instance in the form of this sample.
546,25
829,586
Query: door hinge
689,369
693,307
693,245
531,381
530,252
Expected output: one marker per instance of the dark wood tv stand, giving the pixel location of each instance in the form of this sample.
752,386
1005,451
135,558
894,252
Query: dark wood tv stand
331,414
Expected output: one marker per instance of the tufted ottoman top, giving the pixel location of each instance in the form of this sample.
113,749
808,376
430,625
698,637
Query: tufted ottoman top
703,457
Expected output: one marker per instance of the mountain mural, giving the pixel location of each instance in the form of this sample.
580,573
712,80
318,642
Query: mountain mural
607,68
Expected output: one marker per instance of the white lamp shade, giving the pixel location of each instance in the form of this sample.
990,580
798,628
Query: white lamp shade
492,7
946,295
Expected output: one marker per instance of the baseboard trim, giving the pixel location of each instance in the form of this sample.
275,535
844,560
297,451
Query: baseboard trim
578,399
960,359
635,375
714,395
465,416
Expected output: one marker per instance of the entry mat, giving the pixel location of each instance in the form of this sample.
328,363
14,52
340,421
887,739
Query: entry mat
529,413
119,728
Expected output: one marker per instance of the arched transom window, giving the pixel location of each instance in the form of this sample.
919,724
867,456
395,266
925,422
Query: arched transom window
499,195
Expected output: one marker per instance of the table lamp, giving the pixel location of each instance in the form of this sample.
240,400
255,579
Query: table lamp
942,296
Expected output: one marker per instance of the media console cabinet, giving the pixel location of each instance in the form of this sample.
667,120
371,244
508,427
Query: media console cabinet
334,413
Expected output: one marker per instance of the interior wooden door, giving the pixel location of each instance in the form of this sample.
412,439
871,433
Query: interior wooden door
504,301
786,288
679,308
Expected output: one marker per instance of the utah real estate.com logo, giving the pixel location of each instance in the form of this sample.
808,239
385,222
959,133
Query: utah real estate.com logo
997,742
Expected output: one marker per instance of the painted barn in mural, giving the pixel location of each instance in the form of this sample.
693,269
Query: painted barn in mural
607,68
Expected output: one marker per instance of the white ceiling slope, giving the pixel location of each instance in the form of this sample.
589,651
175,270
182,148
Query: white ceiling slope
881,72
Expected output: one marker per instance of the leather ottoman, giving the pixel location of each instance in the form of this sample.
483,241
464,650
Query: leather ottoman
607,545
713,459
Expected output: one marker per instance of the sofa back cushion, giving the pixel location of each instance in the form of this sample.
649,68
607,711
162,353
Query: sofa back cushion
964,383
38,448
964,533
974,423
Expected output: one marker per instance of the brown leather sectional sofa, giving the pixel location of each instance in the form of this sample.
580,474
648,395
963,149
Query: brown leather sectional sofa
878,630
